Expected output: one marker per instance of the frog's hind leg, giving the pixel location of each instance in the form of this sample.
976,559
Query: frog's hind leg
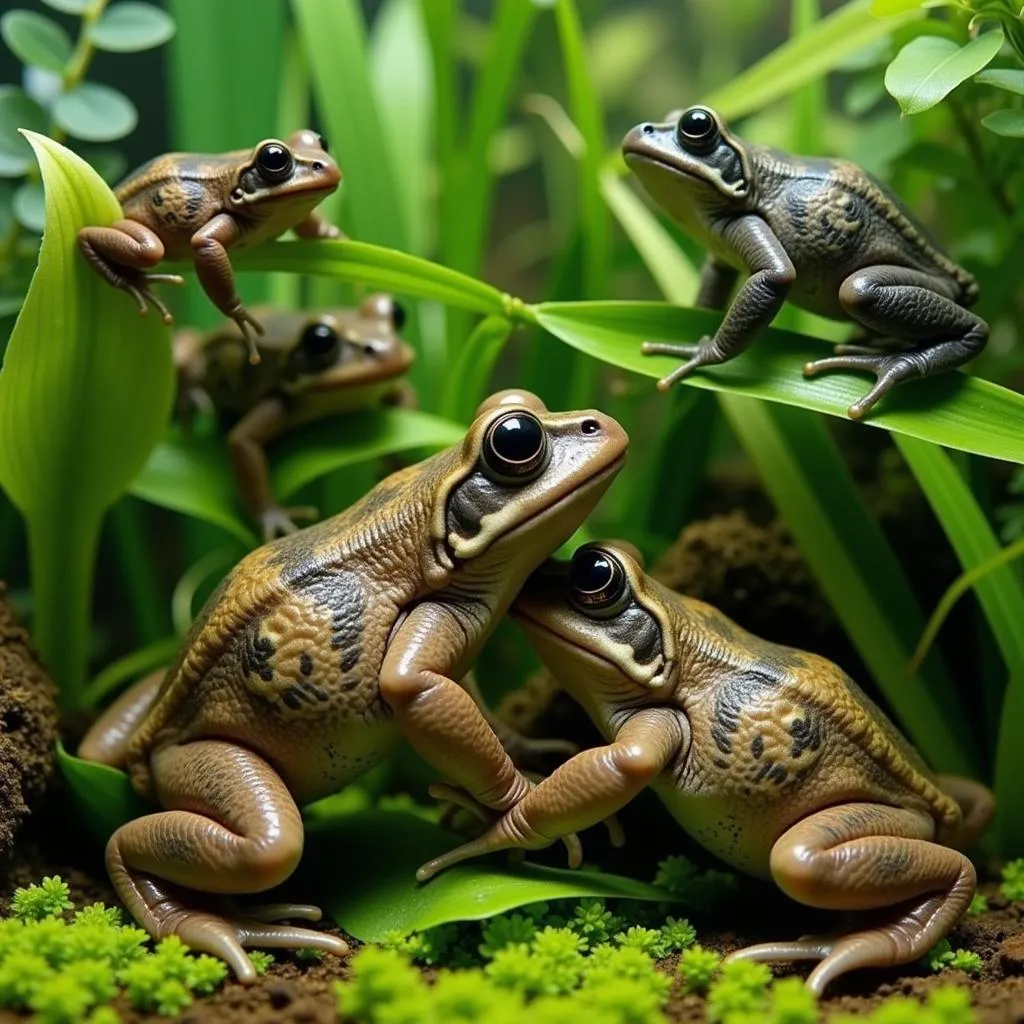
868,857
976,803
231,827
906,304
107,740
121,254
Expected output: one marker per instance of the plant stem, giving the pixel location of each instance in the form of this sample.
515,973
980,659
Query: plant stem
971,139
81,58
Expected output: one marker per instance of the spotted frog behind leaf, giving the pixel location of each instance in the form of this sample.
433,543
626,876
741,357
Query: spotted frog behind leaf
311,367
772,758
320,651
822,234
198,206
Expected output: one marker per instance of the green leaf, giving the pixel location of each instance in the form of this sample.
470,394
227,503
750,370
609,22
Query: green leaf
930,67
36,40
103,795
384,849
974,541
319,449
887,8
131,26
1009,123
952,409
805,58
69,6
334,38
130,668
193,476
378,267
404,92
28,207
95,113
17,110
1008,79
467,379
102,374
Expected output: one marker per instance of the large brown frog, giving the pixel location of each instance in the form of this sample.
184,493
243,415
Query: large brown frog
771,757
320,650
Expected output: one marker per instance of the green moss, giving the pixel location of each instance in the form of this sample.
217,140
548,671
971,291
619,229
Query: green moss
48,899
261,960
979,905
740,988
697,967
1013,880
942,955
506,930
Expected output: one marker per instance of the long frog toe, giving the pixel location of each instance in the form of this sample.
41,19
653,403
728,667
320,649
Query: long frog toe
279,522
889,371
693,354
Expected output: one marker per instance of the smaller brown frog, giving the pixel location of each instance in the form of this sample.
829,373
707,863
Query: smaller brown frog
771,757
198,205
311,367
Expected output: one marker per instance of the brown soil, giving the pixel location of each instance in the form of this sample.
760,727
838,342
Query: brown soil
28,726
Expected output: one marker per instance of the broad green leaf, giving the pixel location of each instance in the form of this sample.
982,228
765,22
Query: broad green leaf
887,8
17,110
1009,123
334,39
805,58
95,113
952,409
378,267
974,541
36,40
1008,79
28,206
929,67
403,82
69,6
363,867
102,795
130,26
193,476
321,448
85,392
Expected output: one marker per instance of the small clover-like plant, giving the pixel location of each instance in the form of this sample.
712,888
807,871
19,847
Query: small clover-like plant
698,967
1012,887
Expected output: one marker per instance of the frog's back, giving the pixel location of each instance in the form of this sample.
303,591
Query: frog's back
855,216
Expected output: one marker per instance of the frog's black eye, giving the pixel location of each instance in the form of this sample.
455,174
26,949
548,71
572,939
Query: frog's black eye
515,448
274,161
698,129
398,316
597,581
320,343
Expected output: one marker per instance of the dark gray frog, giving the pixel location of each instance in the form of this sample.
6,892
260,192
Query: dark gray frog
822,234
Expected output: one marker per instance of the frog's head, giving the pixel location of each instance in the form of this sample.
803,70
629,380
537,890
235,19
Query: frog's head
692,159
520,484
350,348
601,625
298,171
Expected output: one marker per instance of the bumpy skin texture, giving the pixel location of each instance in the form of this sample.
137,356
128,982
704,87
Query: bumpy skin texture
311,367
197,206
28,726
771,757
319,651
822,234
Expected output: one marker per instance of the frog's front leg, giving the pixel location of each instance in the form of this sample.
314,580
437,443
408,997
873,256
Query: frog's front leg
439,718
210,245
911,306
246,439
717,281
121,253
230,827
316,225
589,788
771,276
866,857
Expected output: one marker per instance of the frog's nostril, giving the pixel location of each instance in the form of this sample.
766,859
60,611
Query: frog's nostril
648,129
590,427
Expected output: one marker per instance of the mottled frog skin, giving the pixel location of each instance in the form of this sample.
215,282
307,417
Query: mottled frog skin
198,206
771,757
320,650
822,234
312,366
